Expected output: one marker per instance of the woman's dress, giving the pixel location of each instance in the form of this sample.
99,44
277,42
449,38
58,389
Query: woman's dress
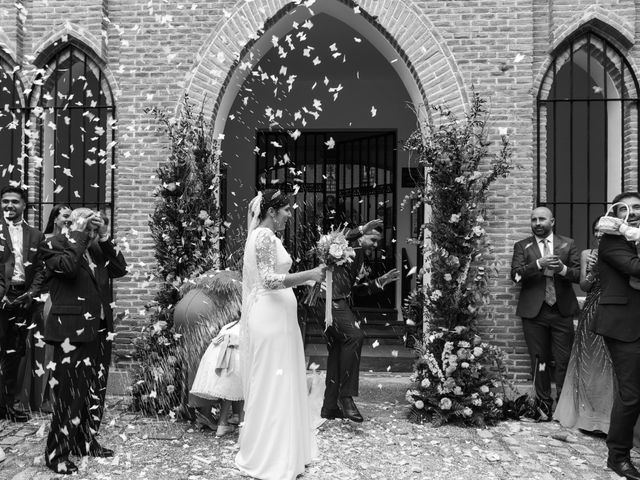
277,439
218,375
587,393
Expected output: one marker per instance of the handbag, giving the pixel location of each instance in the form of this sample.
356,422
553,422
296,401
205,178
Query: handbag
610,224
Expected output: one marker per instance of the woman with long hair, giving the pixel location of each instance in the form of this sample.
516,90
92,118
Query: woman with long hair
277,439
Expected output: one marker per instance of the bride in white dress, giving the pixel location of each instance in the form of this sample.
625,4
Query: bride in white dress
277,439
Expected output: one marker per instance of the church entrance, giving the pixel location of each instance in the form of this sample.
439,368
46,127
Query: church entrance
340,178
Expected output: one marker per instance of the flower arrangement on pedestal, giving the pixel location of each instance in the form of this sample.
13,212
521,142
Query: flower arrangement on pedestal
456,371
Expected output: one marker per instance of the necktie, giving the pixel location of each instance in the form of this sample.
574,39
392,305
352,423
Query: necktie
89,260
549,288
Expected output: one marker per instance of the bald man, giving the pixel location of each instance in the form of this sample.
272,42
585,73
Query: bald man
545,265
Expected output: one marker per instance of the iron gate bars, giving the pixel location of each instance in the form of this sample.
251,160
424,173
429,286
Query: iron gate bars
587,132
11,125
74,113
340,177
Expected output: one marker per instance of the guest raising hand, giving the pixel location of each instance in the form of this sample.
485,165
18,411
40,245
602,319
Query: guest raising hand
80,327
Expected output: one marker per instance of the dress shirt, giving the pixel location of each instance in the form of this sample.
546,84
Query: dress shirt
540,242
15,231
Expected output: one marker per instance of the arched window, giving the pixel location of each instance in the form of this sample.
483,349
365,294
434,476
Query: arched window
11,125
587,132
74,112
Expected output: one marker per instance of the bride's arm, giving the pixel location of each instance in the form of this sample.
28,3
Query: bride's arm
266,263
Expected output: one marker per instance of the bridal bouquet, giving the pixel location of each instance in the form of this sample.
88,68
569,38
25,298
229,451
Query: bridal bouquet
332,249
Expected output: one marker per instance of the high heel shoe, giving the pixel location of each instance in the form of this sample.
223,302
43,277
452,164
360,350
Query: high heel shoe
223,430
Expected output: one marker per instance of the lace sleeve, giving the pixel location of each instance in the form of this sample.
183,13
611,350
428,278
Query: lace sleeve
266,261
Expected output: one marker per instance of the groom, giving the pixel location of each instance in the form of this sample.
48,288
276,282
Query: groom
617,322
344,337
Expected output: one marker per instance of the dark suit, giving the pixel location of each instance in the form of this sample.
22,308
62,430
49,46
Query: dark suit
548,329
15,319
344,337
618,321
78,325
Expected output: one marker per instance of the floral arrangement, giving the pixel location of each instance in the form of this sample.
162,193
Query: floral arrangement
186,232
332,249
459,265
452,379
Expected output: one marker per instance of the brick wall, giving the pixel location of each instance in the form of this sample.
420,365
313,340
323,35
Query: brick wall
154,52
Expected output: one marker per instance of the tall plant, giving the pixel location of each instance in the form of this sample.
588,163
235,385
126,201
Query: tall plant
453,376
184,227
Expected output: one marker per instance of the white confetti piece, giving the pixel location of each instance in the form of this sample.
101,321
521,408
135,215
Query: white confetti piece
66,346
331,143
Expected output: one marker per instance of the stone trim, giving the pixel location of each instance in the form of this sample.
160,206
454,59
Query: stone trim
430,64
597,18
62,36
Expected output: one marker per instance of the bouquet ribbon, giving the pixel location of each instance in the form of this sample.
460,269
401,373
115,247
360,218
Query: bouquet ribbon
328,319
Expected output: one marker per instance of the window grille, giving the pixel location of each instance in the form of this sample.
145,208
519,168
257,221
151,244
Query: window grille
11,125
587,133
74,115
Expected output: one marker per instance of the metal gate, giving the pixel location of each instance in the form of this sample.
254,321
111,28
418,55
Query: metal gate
338,178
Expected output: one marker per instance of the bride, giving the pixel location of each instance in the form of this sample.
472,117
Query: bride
277,439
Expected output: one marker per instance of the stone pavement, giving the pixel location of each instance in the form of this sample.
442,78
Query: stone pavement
385,446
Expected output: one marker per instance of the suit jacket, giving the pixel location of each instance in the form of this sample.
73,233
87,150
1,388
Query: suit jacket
31,255
524,270
79,294
345,278
618,314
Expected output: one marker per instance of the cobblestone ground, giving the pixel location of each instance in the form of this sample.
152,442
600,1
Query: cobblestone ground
385,446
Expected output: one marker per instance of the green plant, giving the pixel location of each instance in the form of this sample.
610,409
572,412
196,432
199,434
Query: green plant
460,171
185,228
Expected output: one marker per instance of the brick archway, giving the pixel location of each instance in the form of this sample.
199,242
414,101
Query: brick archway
402,34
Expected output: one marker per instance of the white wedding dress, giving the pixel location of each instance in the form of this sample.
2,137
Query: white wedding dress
277,439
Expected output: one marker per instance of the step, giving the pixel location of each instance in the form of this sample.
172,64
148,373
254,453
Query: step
392,341
371,332
381,358
369,317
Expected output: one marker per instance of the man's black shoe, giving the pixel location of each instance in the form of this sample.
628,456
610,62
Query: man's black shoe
349,409
625,469
64,467
331,413
96,450
101,452
14,415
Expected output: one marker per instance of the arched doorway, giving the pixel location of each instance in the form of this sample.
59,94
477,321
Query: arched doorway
324,112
